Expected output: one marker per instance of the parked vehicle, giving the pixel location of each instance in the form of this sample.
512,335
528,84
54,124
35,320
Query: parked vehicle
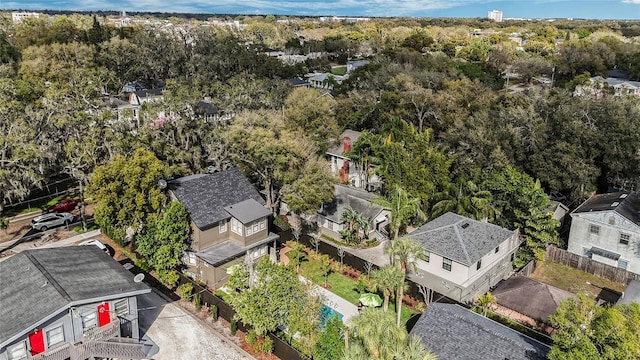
97,243
64,205
51,220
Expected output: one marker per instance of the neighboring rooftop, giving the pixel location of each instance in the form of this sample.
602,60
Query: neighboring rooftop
530,297
354,198
38,284
631,293
624,203
337,148
225,251
452,332
205,196
247,211
460,238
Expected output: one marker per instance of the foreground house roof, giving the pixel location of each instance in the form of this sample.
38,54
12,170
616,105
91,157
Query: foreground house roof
460,238
530,297
205,196
455,333
624,203
39,284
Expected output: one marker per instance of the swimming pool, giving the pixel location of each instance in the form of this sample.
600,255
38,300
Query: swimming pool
326,313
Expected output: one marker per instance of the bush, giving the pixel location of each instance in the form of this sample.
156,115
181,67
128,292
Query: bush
251,337
234,326
362,284
214,312
168,277
263,345
185,291
281,223
197,301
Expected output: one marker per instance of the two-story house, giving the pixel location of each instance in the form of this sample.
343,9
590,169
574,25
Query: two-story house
228,221
330,218
349,172
69,303
465,257
606,228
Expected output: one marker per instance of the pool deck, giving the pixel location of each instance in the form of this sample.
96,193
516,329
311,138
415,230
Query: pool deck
335,302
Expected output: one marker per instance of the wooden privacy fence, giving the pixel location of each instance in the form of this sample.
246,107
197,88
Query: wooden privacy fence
528,269
590,266
281,349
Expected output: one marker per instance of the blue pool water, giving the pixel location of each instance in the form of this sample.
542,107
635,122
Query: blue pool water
326,313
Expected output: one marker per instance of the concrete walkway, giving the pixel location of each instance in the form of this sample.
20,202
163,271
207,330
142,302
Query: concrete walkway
333,301
375,255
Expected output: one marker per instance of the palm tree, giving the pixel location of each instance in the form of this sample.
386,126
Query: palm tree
376,335
464,198
387,279
350,217
413,350
362,154
402,208
405,252
362,224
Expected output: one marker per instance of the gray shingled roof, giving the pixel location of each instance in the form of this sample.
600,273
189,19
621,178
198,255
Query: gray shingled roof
247,211
455,333
530,297
356,199
206,195
459,238
631,293
38,284
624,203
338,147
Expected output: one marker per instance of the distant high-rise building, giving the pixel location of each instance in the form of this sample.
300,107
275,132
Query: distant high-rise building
18,17
495,15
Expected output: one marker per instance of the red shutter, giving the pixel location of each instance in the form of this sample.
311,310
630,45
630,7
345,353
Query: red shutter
36,340
103,314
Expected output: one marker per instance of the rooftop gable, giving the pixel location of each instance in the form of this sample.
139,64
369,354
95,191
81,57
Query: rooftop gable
460,238
624,203
349,197
455,333
337,148
205,196
38,284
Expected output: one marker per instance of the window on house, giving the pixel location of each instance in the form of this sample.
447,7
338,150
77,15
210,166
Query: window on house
427,256
55,336
622,264
330,224
624,239
594,229
496,250
479,265
192,259
263,224
236,226
89,320
121,307
254,227
446,264
222,226
17,351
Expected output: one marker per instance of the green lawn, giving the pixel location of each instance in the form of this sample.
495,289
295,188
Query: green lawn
339,70
343,286
34,206
573,280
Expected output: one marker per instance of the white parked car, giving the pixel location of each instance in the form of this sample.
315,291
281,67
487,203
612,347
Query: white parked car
97,243
51,220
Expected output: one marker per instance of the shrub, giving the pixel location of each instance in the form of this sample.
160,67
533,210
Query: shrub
168,277
185,291
197,301
214,312
362,284
421,307
281,223
264,345
234,326
251,337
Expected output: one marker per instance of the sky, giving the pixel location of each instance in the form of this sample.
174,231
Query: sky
578,9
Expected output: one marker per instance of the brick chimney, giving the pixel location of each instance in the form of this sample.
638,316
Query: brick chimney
346,144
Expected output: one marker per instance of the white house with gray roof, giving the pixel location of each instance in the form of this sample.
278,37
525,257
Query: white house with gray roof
452,332
606,228
69,303
228,220
465,257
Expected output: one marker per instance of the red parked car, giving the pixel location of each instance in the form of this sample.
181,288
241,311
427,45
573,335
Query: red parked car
64,205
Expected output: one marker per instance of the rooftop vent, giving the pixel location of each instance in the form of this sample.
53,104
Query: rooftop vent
465,225
615,204
623,196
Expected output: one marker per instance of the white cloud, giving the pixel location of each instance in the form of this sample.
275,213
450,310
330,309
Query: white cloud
637,2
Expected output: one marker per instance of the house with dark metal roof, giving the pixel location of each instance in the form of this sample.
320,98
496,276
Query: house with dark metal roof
330,217
529,297
606,228
452,332
69,302
228,219
465,257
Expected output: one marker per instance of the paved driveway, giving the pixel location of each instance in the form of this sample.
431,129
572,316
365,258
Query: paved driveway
180,336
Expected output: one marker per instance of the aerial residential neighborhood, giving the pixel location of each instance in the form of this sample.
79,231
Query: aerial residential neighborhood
180,185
